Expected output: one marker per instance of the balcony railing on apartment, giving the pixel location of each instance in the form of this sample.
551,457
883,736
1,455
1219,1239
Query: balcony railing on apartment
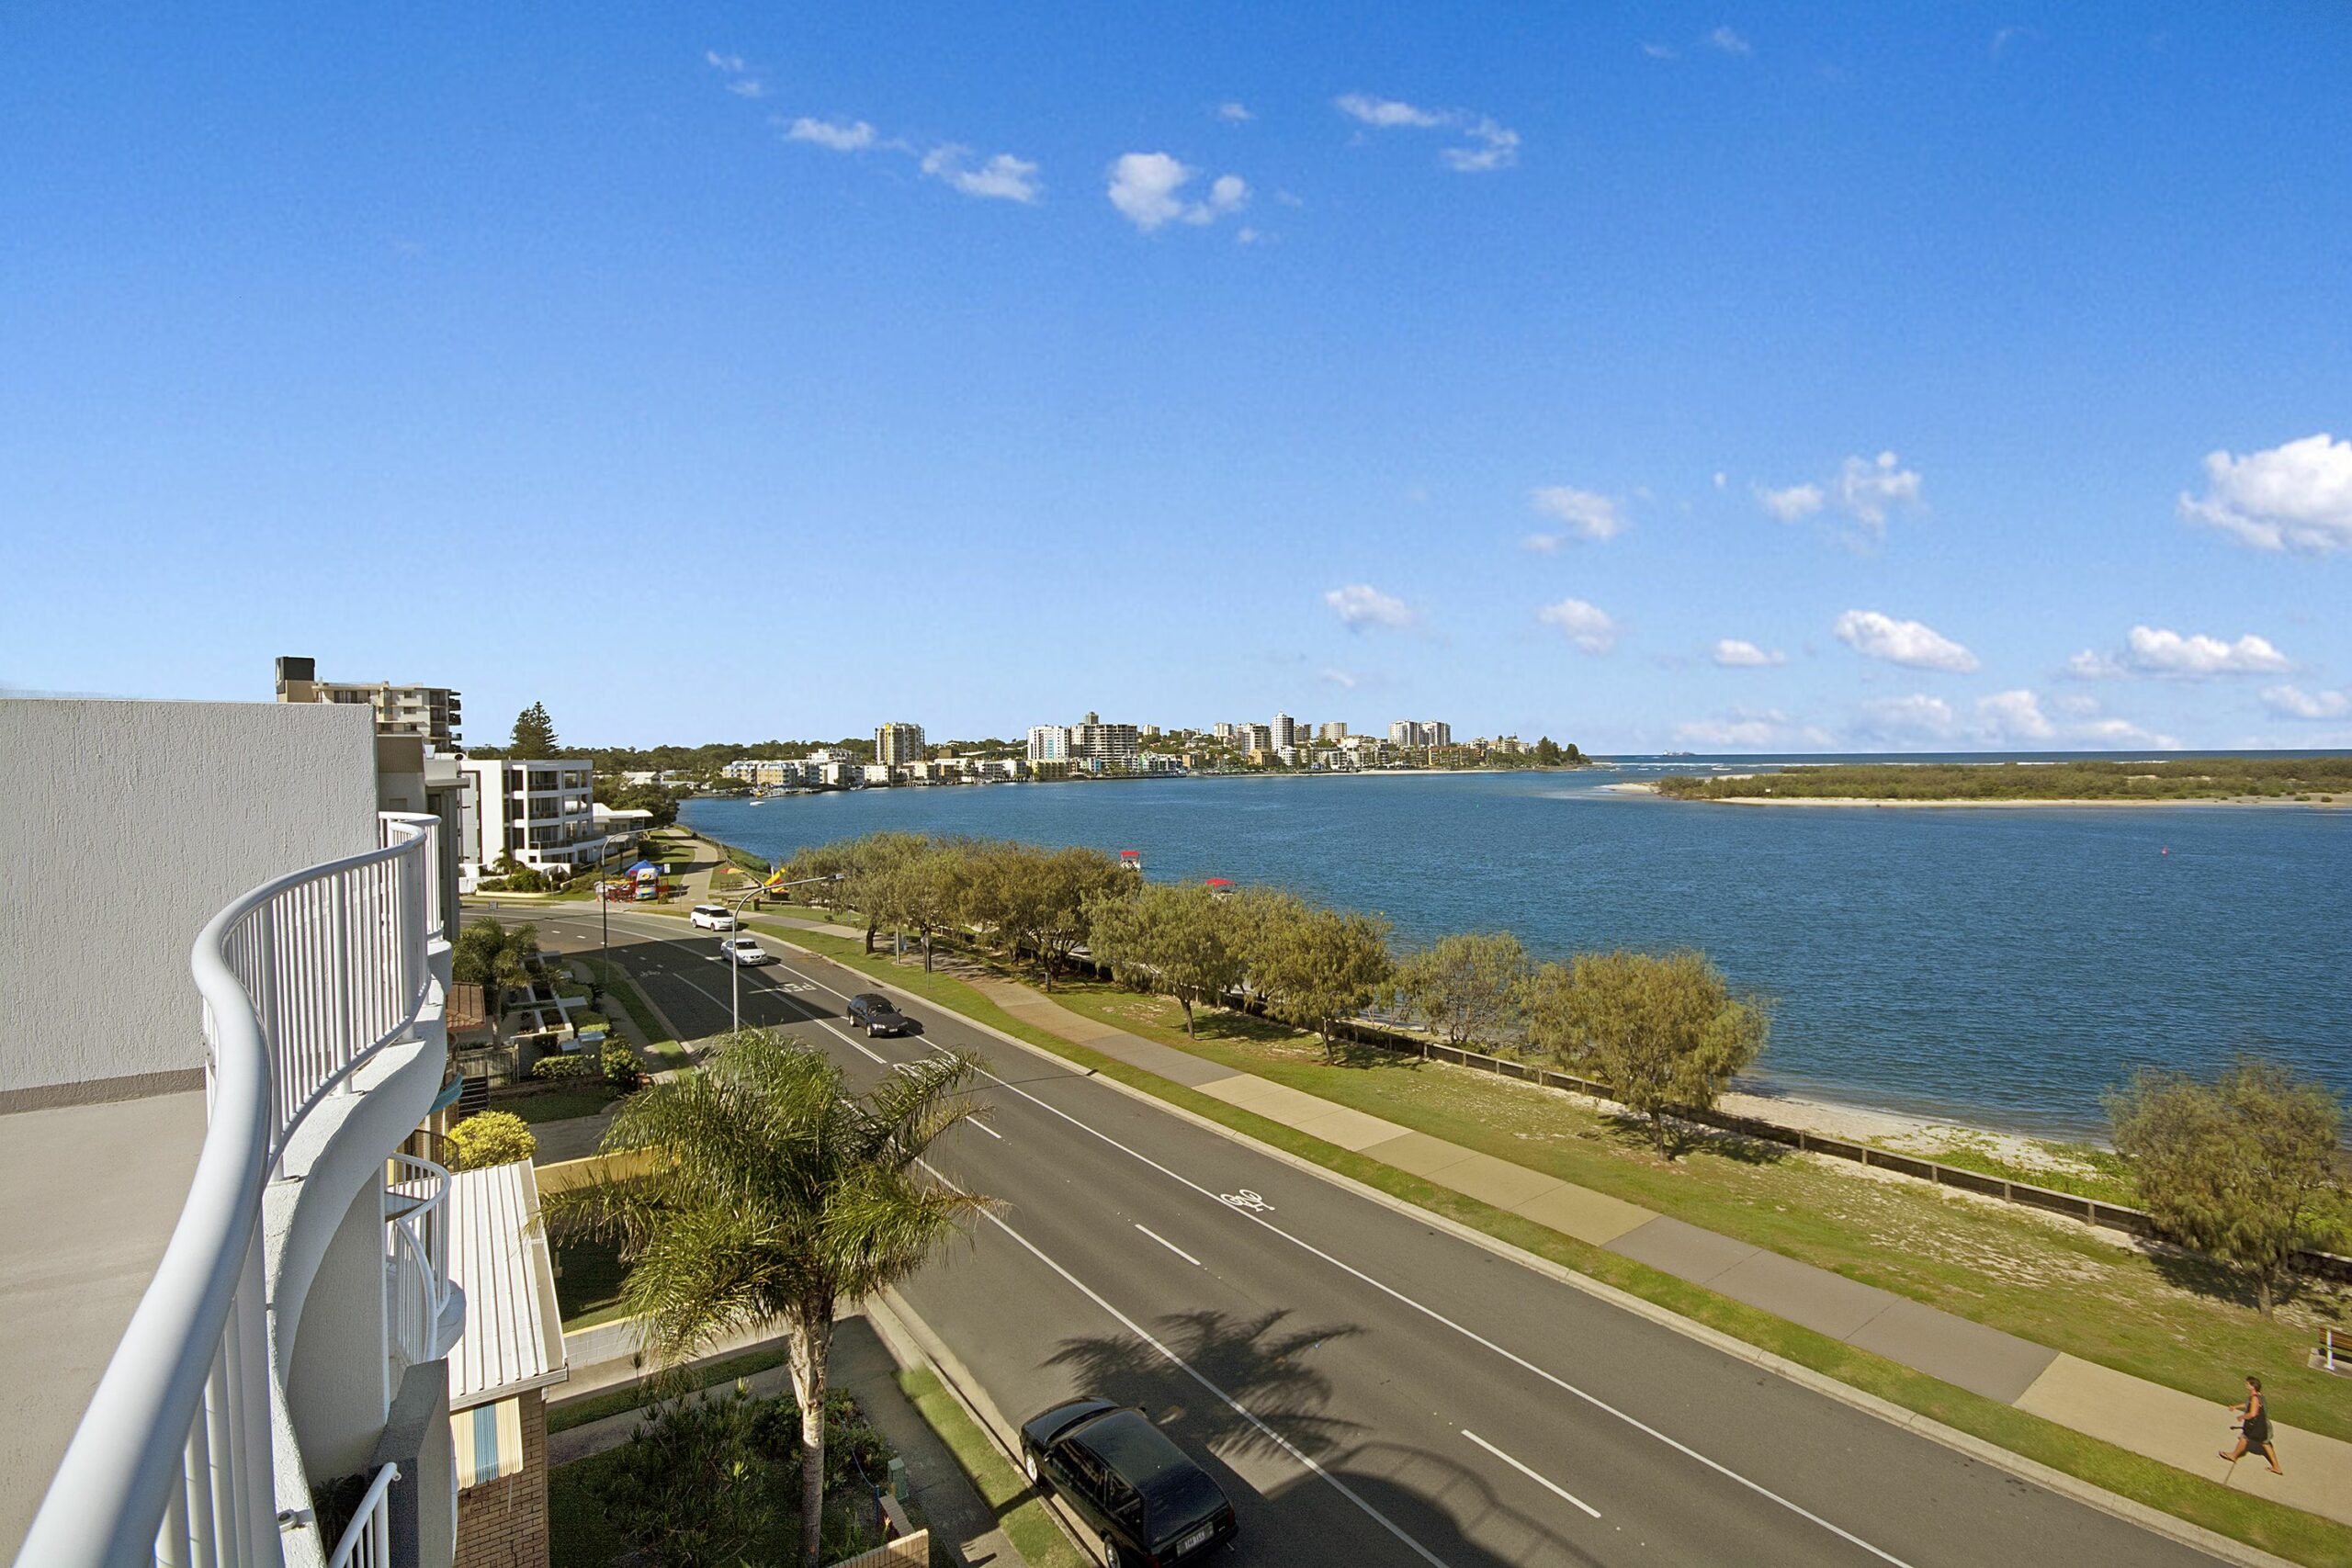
303,980
417,1242
367,1540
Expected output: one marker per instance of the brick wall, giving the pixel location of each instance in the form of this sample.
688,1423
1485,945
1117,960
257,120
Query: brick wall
503,1523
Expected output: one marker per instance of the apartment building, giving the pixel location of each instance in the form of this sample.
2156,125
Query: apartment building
1284,732
235,1158
1332,733
537,811
1116,745
1049,743
432,714
1412,732
898,744
1254,738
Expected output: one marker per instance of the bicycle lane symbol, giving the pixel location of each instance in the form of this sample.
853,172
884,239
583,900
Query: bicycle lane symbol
1245,1198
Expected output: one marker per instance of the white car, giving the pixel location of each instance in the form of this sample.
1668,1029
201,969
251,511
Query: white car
713,916
744,950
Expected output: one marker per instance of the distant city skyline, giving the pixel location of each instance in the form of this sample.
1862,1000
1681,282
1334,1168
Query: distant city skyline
1901,378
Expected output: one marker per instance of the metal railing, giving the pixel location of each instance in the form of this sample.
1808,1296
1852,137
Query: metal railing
367,1540
302,980
416,1244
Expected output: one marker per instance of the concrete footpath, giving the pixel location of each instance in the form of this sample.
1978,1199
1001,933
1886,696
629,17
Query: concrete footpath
865,1365
2163,1424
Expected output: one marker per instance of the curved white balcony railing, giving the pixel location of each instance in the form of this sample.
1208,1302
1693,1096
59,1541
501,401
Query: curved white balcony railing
303,979
416,1238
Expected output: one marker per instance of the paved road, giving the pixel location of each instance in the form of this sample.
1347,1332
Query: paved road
1368,1388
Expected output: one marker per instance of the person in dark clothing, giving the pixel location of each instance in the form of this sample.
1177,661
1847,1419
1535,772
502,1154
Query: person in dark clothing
2253,1430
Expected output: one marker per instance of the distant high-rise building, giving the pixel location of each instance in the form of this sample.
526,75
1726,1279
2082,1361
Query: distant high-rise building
1115,745
1333,731
898,743
1049,743
1254,737
432,714
1440,734
1419,732
1285,729
1224,731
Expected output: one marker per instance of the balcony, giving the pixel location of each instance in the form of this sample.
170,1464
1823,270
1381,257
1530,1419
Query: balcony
321,995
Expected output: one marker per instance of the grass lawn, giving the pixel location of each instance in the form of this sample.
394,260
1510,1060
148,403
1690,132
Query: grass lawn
588,1281
557,1104
636,1396
659,1043
1856,1224
1019,1512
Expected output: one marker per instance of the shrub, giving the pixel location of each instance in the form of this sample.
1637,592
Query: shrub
621,1065
570,1065
491,1137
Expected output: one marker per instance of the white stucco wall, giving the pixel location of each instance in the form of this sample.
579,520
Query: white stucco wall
131,824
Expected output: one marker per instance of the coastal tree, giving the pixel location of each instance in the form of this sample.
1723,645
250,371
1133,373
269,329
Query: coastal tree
496,957
1464,986
2232,1167
1661,1031
872,880
923,890
772,1196
1037,897
1180,939
1313,965
534,734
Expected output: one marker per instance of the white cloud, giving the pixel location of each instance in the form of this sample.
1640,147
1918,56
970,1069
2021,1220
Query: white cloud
1752,729
1143,186
2294,497
740,81
1339,678
853,137
1237,113
1002,178
2123,732
1870,489
2157,651
1582,514
2293,702
1729,41
1659,50
1494,147
1360,604
2015,715
1386,114
1739,653
1791,504
1911,644
2089,665
1490,145
1587,626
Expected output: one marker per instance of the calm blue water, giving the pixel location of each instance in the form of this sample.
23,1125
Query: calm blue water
2001,965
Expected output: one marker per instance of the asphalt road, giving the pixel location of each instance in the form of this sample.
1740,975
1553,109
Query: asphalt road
1368,1388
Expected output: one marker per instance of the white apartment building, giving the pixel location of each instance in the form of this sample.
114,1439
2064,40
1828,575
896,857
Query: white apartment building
1225,731
539,811
1117,746
895,744
432,714
1049,743
237,1284
1412,732
1283,732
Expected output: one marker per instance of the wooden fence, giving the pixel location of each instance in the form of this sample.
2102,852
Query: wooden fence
906,1551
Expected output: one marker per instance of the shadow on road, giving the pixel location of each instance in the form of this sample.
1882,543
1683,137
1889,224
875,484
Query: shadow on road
1291,1516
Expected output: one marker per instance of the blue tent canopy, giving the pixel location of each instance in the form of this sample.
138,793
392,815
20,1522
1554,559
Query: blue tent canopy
643,865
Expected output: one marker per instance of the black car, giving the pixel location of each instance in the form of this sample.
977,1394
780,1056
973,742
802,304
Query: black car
1150,1503
879,1017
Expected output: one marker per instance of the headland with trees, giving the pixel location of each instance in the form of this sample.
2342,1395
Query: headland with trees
2313,781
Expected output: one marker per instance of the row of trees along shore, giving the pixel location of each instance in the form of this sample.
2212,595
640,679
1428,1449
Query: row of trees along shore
2245,1166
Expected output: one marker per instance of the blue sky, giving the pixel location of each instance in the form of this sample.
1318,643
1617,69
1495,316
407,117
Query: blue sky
1727,378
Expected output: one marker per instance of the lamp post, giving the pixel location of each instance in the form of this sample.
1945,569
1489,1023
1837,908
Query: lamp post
735,962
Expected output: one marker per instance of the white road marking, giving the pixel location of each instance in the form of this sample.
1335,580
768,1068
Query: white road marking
852,1045
984,1127
1435,1316
1547,1485
1171,1247
1132,1326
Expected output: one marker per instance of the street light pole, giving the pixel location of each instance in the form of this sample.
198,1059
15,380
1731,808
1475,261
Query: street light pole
735,960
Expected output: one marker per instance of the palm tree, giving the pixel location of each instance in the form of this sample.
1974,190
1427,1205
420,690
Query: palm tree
774,1194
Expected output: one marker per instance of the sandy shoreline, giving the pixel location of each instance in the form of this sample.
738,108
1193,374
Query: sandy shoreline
2242,802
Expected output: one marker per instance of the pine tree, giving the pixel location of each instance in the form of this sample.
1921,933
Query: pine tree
534,734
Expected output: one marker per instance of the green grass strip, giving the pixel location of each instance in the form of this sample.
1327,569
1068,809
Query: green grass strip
1019,1511
2287,1532
637,1394
659,1043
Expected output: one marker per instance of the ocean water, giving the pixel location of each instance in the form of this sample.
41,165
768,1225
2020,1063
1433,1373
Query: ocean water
2000,965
